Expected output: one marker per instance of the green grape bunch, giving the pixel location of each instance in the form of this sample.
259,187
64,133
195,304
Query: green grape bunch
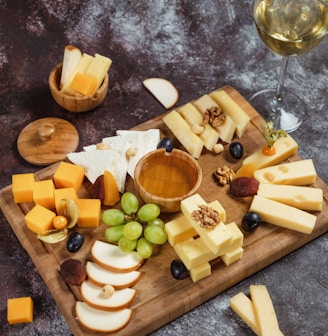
133,227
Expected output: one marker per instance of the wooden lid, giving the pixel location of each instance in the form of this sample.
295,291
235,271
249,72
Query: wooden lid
47,140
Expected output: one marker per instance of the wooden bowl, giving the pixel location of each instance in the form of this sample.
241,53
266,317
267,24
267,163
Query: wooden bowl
167,178
75,103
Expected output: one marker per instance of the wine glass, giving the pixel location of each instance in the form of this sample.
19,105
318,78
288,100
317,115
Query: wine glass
288,28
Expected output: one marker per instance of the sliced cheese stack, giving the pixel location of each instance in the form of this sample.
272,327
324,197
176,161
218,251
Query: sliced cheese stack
258,312
187,122
106,293
284,195
197,246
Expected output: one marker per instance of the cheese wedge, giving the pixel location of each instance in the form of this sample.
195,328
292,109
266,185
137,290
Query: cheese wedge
264,311
209,135
294,173
72,56
182,131
217,238
285,147
230,107
227,128
305,198
283,215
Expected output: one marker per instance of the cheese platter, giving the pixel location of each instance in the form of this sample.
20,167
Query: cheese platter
159,295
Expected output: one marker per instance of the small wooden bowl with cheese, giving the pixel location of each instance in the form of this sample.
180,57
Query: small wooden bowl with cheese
166,178
76,102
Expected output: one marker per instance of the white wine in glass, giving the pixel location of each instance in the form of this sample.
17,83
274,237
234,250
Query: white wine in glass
288,28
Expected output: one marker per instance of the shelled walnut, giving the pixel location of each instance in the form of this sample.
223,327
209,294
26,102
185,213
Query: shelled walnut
206,217
214,116
224,175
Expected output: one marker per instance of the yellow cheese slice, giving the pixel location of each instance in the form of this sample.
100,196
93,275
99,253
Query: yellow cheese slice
200,272
209,135
283,215
231,108
227,128
264,311
294,173
182,131
217,238
305,198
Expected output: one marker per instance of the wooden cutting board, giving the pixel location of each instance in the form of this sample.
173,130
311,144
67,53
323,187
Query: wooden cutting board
160,296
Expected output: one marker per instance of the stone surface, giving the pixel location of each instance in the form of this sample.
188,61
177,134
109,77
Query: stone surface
197,45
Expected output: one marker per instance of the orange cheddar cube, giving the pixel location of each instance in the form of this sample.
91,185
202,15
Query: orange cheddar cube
84,84
22,187
69,175
39,219
43,193
20,310
62,193
89,212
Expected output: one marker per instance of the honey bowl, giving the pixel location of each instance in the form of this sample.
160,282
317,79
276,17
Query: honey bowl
166,178
75,103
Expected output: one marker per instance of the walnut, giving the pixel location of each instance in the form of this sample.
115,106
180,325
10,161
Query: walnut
224,175
97,189
214,116
206,217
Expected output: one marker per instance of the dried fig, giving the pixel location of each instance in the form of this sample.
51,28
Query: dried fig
73,272
244,186
97,189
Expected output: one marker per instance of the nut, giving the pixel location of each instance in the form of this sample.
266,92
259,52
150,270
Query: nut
224,175
131,151
197,129
218,148
206,217
97,189
108,290
102,145
214,116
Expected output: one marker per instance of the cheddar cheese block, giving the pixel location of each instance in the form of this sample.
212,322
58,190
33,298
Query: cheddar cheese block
182,131
293,173
232,109
22,187
89,211
283,215
305,198
227,128
43,193
40,219
20,310
69,175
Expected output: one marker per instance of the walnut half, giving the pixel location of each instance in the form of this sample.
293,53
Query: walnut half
206,217
214,116
224,175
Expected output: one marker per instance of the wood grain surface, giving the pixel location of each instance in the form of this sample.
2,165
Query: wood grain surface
161,298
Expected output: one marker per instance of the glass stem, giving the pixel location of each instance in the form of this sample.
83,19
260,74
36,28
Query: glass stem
281,78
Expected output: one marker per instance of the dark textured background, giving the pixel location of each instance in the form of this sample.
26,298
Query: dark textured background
197,45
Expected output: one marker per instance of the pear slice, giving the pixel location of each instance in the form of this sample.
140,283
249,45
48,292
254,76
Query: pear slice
100,320
71,58
101,276
163,90
94,296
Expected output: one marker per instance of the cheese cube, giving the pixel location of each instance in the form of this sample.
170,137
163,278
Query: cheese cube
43,193
22,187
217,238
89,212
227,129
264,311
200,272
284,146
20,310
69,175
39,219
293,173
179,230
304,198
232,109
232,256
182,131
237,239
193,117
84,84
63,193
283,215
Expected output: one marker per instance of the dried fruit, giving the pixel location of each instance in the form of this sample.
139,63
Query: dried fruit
73,272
244,186
97,190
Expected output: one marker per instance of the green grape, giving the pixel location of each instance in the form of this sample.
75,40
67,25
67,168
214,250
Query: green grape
132,230
114,233
149,212
113,217
129,203
155,235
127,245
144,248
157,222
